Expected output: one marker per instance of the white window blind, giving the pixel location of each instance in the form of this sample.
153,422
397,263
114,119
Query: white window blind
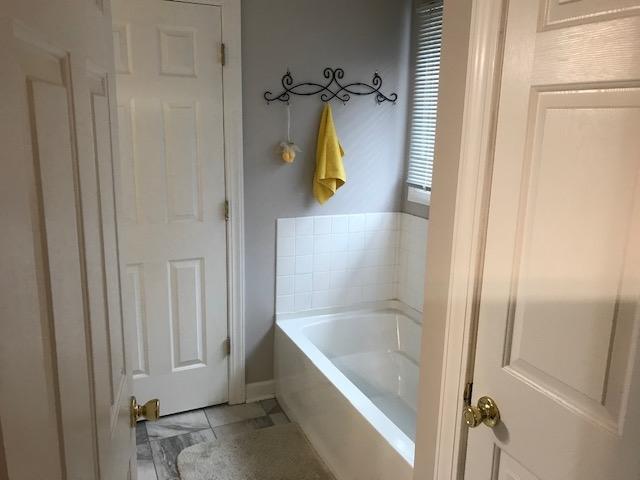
428,41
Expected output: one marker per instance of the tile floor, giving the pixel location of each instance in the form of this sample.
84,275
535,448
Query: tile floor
159,443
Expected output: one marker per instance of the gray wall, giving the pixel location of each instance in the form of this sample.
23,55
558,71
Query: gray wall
413,208
361,36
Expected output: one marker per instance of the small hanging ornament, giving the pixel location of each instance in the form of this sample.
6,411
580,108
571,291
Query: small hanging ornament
288,149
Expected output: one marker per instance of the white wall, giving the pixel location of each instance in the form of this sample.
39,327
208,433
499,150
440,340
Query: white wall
449,134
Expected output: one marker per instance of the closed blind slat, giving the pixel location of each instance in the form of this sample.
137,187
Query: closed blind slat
428,32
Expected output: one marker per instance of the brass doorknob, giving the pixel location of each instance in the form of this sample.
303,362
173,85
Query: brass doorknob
486,412
150,410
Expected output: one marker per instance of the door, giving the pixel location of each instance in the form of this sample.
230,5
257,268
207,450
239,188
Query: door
559,319
173,239
64,384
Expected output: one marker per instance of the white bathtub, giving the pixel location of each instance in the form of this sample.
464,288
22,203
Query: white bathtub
350,379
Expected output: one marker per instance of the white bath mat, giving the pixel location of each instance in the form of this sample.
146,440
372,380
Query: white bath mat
275,453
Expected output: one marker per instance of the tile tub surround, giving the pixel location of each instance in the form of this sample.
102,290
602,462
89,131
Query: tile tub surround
159,443
412,260
340,260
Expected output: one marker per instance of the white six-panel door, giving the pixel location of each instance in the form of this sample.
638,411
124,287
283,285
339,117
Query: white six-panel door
559,319
64,384
173,239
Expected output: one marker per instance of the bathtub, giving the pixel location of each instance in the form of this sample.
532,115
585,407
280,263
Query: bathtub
350,379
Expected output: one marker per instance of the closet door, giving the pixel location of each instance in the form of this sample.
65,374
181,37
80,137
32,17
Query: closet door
173,195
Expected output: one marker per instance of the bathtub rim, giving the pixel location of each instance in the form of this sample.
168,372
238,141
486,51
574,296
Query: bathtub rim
292,324
363,307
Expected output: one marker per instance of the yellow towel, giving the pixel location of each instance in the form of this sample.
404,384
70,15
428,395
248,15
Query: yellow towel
330,174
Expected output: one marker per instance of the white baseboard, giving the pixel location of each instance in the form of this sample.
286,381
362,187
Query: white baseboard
260,390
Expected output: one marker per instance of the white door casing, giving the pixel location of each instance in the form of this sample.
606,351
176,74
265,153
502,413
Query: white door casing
559,313
173,243
63,368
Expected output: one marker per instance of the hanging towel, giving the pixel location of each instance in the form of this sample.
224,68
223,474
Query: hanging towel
330,174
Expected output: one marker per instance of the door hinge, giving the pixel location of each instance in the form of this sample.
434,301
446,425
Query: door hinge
223,54
468,392
227,346
227,213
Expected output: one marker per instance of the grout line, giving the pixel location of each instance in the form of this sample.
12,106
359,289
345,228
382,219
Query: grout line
153,460
210,426
207,417
146,431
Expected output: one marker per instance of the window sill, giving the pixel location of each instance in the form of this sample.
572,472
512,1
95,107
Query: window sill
417,195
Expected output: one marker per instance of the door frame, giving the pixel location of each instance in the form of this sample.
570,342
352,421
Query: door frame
234,180
234,185
472,46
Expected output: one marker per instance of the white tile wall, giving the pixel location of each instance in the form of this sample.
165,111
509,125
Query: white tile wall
341,260
412,260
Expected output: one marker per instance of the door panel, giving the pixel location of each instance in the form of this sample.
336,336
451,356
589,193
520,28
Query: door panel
134,300
184,200
559,316
573,191
509,469
129,212
185,278
55,168
112,383
174,231
560,12
65,387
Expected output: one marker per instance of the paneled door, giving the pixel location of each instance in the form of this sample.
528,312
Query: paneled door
173,243
64,379
559,316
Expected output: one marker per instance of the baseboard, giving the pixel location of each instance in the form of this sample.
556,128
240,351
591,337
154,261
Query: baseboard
260,390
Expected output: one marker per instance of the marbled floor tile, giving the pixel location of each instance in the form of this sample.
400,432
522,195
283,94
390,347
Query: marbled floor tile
273,409
166,450
141,433
225,414
271,406
146,468
178,424
279,418
244,426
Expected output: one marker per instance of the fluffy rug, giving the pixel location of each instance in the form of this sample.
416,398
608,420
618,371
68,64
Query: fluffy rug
276,453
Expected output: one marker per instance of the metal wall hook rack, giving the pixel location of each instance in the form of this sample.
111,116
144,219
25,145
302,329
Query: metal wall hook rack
332,89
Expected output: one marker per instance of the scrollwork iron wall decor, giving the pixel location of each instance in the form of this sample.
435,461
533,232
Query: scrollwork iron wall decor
333,89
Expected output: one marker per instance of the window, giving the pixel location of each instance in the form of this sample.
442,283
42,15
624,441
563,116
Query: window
428,40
